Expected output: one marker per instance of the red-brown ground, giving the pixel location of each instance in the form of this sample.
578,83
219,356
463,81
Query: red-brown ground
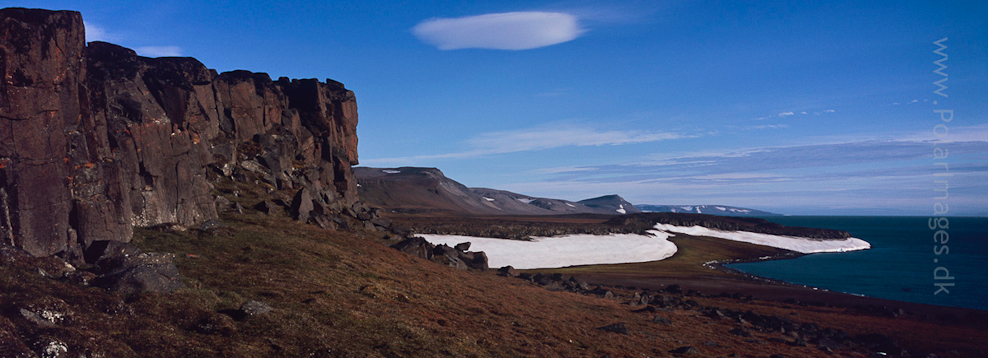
346,294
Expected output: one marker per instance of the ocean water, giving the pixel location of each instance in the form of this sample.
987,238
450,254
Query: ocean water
901,265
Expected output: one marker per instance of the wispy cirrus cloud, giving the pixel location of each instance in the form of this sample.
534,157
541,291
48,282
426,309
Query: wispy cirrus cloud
880,174
794,113
159,51
880,166
768,126
539,138
562,136
500,31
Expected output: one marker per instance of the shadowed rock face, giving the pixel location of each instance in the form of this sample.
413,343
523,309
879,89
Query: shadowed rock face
95,140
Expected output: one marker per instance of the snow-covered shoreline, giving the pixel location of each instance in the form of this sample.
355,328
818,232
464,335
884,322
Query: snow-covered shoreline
572,250
792,243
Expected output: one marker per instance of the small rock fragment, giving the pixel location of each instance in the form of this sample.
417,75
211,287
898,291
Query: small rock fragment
620,328
253,308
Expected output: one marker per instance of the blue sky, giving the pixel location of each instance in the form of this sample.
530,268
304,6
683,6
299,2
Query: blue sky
821,108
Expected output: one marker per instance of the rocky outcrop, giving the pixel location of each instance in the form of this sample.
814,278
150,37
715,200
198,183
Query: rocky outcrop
95,140
457,256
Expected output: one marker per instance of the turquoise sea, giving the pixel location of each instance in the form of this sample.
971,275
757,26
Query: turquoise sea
902,263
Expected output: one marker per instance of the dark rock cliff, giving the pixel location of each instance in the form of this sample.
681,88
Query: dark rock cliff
95,140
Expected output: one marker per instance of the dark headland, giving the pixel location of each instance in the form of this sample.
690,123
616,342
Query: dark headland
154,207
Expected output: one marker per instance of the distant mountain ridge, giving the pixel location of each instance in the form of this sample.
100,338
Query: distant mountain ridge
720,210
416,189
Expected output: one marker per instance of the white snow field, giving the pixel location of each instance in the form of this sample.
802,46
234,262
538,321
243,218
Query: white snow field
569,250
798,244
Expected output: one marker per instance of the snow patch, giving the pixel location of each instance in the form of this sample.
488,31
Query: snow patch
562,251
570,205
391,171
621,210
526,200
794,243
488,199
570,250
721,208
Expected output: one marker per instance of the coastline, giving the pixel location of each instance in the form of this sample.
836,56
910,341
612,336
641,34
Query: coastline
700,264
721,265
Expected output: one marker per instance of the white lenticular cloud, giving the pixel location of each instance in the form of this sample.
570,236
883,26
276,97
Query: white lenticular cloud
159,51
502,31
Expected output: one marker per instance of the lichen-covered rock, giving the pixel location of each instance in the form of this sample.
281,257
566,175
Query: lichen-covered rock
146,272
254,308
41,125
95,140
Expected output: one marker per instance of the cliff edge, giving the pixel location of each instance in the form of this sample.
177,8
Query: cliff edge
96,140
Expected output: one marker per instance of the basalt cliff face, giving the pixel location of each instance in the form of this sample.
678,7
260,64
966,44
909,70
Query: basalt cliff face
95,140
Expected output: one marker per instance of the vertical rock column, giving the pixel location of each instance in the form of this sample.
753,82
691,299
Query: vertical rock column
329,111
41,59
60,186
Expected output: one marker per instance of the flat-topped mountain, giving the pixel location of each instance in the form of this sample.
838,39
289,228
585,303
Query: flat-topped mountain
613,203
416,190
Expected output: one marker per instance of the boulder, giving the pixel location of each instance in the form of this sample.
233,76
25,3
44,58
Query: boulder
146,272
44,311
415,246
453,261
443,249
302,205
210,225
476,260
542,279
108,254
619,328
266,207
508,271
